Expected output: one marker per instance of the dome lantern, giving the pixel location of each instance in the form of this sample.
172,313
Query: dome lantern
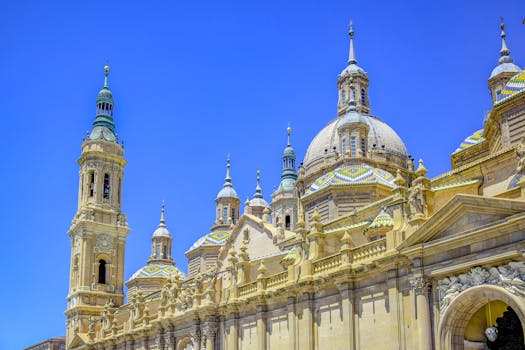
103,126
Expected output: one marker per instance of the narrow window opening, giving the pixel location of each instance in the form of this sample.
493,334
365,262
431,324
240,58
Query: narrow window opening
157,251
343,96
352,89
164,252
102,271
363,146
353,146
343,146
287,221
119,190
233,215
91,183
225,215
106,186
363,97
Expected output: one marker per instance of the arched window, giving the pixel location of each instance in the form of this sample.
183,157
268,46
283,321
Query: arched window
102,271
233,215
106,186
287,222
164,252
363,97
343,96
352,89
363,146
157,251
343,146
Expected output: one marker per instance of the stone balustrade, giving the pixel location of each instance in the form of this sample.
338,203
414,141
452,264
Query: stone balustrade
330,262
369,250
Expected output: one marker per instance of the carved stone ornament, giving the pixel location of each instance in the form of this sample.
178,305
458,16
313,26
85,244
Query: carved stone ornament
104,242
419,284
510,276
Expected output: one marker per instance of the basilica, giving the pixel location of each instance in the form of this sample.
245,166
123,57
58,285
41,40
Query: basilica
357,249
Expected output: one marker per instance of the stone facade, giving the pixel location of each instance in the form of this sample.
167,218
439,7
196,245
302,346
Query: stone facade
373,253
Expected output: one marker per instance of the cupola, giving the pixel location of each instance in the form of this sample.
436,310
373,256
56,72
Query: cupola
103,126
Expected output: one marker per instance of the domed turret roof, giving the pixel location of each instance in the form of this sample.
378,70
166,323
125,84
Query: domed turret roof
157,271
382,220
353,174
227,190
380,134
162,229
514,86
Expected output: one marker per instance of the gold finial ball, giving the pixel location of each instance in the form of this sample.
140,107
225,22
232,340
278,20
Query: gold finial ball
106,69
288,130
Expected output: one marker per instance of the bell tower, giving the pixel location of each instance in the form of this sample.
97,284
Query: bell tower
99,229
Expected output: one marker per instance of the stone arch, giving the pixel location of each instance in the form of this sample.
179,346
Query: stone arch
185,344
451,329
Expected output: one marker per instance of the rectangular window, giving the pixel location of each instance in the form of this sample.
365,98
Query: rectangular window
91,183
287,222
343,146
233,215
225,215
164,252
363,146
353,146
157,251
106,186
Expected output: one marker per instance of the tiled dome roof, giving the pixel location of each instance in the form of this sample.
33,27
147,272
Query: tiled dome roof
382,220
157,271
473,139
216,238
514,86
354,174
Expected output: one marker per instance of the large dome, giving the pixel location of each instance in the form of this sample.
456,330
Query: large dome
379,134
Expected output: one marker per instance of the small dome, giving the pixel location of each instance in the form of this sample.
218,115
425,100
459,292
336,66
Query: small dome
353,69
216,238
105,95
353,174
227,192
161,231
473,139
287,184
289,152
157,271
259,202
508,67
382,220
379,134
102,132
513,87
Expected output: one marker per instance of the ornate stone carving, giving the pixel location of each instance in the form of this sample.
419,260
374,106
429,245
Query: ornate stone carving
510,276
104,242
419,284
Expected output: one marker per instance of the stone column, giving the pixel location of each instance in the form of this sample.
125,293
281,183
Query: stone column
261,327
347,305
306,329
292,330
420,290
234,331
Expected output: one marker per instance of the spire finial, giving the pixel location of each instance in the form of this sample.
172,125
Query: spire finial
351,56
228,178
289,130
504,52
162,220
258,189
106,73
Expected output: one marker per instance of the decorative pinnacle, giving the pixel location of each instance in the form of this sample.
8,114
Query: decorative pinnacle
162,220
258,190
289,130
351,56
504,52
228,179
106,73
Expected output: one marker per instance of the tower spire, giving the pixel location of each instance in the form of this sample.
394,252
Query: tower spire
258,189
351,55
103,126
162,220
228,179
504,52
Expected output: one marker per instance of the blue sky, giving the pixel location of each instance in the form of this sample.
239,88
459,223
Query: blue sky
194,81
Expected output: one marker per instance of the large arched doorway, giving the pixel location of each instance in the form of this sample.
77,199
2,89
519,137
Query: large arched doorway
463,323
185,344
